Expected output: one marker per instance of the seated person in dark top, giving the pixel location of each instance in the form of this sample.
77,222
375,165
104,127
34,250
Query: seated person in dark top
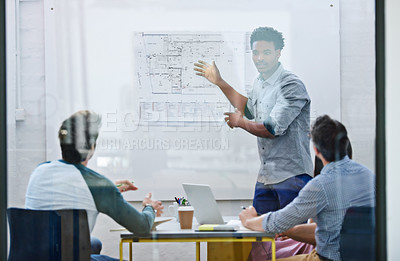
69,184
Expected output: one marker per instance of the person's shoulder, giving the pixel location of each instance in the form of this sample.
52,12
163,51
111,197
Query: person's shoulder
287,75
89,171
94,176
359,168
46,164
315,184
289,79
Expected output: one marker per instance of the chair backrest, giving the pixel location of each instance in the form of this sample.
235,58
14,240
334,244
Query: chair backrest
357,237
58,235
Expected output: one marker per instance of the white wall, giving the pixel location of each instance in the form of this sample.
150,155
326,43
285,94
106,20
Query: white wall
392,127
26,146
357,44
26,142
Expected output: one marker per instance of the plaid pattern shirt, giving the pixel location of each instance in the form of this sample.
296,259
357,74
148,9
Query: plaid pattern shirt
326,198
282,104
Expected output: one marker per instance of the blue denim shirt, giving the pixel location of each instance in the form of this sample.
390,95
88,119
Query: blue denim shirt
326,198
282,103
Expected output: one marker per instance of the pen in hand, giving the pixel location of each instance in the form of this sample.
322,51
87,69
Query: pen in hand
119,185
243,207
125,185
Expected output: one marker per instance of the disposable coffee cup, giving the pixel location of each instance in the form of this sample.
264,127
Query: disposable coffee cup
186,216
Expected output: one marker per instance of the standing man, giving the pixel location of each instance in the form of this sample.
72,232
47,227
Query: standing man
280,107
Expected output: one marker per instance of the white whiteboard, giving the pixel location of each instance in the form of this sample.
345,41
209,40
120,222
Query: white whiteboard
90,64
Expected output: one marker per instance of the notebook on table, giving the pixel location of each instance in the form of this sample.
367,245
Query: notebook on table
214,227
157,221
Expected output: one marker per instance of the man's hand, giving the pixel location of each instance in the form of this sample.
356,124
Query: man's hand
302,233
285,235
208,71
247,214
125,185
157,205
233,118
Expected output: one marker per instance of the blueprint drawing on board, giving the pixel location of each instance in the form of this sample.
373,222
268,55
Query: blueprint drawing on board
169,90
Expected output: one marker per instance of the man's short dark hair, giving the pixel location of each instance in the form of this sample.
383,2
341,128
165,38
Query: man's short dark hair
330,138
268,34
78,135
318,165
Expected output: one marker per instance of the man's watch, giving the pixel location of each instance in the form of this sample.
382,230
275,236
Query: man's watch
149,205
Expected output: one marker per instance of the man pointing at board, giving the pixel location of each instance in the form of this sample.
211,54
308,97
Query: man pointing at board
277,111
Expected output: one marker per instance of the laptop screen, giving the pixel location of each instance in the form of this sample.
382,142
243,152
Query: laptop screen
205,206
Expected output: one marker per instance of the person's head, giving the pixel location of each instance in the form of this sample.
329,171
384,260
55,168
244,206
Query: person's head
330,138
266,45
318,165
78,135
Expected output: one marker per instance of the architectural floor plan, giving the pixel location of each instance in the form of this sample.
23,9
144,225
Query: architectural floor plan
169,89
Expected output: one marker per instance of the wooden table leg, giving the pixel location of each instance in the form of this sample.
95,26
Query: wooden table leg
121,249
197,251
273,250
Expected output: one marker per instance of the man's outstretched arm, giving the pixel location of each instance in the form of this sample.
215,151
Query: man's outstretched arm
236,120
302,233
250,219
212,74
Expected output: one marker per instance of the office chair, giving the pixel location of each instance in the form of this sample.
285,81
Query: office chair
58,235
357,237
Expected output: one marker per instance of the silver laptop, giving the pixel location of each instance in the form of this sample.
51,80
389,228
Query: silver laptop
205,207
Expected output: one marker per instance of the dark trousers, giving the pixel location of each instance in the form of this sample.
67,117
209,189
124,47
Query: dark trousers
272,197
96,249
96,245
